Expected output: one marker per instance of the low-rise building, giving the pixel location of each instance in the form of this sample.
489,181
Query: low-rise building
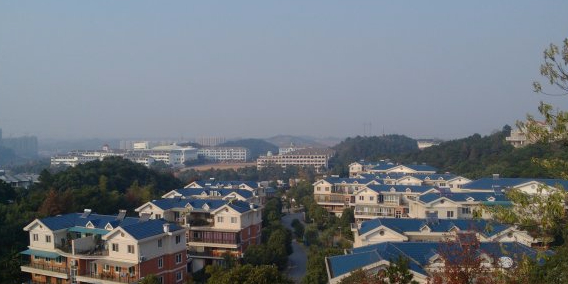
92,248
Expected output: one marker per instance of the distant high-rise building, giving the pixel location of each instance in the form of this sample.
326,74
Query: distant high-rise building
25,146
210,141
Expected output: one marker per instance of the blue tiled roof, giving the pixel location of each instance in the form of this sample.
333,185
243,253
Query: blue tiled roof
485,227
418,254
75,220
170,203
463,196
148,228
420,168
491,183
434,176
398,188
338,180
188,192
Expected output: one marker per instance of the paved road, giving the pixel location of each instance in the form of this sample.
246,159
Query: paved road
297,261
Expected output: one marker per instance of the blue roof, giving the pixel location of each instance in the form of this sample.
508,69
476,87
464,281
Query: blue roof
389,166
398,188
149,228
75,220
170,203
337,180
463,196
40,253
485,227
189,192
418,254
491,183
225,183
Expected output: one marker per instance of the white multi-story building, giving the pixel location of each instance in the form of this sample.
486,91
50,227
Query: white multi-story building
309,157
221,154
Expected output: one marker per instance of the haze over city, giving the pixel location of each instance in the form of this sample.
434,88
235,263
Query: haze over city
446,69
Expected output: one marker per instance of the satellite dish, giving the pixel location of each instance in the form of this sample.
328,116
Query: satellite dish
505,262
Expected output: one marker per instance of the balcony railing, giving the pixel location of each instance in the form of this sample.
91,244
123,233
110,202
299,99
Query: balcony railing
213,241
47,267
112,276
96,250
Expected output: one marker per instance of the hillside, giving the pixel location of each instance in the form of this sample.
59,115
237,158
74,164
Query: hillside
372,148
257,147
476,156
286,140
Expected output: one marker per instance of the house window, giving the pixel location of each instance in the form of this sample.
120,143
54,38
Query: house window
372,198
178,239
106,267
115,247
450,214
361,198
160,243
179,276
117,269
132,270
36,237
466,210
160,262
178,258
48,239
158,216
161,279
220,219
130,248
233,220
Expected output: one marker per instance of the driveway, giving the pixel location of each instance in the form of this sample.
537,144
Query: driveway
297,261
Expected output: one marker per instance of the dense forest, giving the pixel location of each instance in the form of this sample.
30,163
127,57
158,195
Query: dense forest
104,186
257,147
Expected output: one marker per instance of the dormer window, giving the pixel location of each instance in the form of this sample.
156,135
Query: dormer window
470,199
89,225
491,199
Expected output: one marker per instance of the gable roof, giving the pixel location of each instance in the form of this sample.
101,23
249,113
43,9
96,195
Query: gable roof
463,197
222,192
491,183
150,228
418,254
75,220
399,188
197,204
484,227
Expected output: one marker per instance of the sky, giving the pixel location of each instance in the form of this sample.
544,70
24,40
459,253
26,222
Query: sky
119,69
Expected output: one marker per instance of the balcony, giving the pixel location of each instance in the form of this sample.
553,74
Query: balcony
109,277
97,250
45,269
212,254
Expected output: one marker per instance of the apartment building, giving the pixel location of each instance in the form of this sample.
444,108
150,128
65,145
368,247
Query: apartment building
455,205
377,200
259,192
225,154
381,230
92,248
214,227
336,194
424,257
308,157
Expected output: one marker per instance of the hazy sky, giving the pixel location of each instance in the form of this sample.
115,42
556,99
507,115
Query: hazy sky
448,69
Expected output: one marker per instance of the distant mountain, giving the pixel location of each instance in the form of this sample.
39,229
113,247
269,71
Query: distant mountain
299,141
257,147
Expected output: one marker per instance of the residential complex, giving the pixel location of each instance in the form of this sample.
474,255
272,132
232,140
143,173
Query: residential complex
308,157
92,248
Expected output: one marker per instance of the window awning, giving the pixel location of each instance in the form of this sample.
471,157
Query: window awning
88,230
40,253
114,263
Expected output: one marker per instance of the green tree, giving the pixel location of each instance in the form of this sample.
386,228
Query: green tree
150,279
246,274
396,273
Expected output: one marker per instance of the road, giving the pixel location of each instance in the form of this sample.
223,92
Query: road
297,261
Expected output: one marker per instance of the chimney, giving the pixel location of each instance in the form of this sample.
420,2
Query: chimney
166,228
